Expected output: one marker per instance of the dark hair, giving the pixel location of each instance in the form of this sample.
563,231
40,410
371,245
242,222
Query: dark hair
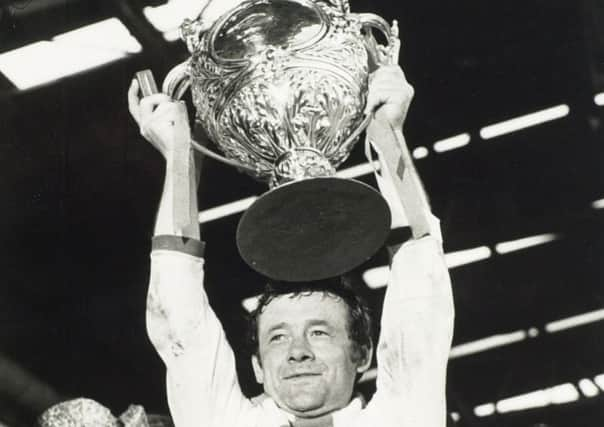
359,315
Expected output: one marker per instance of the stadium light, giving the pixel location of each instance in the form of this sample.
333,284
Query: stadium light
525,243
557,395
524,122
599,380
485,344
452,143
574,321
484,410
598,204
66,54
167,18
420,153
250,304
588,388
377,277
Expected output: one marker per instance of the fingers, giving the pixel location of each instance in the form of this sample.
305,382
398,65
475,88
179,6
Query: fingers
162,121
388,85
149,103
389,75
167,114
163,115
141,109
133,100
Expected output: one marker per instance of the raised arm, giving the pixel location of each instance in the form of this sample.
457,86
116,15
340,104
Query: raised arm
417,318
201,377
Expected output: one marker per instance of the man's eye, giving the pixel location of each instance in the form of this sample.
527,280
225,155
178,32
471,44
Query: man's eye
277,338
318,333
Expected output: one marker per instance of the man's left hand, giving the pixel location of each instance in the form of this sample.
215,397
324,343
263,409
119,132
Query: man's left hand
391,93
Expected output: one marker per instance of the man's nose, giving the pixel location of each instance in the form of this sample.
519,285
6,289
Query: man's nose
300,351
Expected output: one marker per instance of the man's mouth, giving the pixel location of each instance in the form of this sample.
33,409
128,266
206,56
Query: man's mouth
301,375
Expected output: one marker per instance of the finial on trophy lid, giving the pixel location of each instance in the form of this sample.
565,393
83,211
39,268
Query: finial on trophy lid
280,87
189,32
344,5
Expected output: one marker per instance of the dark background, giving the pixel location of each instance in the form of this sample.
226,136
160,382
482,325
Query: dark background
79,190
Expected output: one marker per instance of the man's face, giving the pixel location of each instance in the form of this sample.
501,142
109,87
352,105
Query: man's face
306,362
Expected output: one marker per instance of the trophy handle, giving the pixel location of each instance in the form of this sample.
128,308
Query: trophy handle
355,134
379,54
177,81
175,85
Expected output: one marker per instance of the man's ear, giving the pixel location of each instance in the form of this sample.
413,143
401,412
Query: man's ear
364,362
258,372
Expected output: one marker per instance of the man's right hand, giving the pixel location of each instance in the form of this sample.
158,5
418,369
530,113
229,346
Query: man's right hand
161,121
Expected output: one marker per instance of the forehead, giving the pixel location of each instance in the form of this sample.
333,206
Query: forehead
302,308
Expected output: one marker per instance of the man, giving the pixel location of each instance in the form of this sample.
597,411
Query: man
308,355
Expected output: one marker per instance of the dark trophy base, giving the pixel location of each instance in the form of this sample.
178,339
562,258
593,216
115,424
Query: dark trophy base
313,229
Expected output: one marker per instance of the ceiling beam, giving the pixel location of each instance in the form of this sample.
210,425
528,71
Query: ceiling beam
19,29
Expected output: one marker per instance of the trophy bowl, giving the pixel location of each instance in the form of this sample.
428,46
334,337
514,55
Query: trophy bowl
280,87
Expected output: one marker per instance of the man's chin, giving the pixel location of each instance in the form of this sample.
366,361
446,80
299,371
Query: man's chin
308,411
307,405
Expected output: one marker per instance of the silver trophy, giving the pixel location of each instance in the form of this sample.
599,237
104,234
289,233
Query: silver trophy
280,87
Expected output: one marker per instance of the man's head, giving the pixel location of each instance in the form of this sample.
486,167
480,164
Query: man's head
310,342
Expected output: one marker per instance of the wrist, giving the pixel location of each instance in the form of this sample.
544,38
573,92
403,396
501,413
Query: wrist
178,157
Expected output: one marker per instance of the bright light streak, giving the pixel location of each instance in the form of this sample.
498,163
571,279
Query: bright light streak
168,17
377,277
563,393
484,410
525,243
599,99
452,143
557,395
109,35
455,416
172,35
225,210
588,388
486,344
574,321
467,256
78,50
598,204
533,332
524,122
420,153
165,17
359,170
250,304
599,380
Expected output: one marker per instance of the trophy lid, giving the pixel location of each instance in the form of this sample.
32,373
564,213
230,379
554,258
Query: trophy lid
254,26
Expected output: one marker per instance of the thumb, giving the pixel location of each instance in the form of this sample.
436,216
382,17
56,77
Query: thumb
374,101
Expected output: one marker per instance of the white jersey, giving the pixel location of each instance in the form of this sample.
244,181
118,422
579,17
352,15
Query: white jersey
412,352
